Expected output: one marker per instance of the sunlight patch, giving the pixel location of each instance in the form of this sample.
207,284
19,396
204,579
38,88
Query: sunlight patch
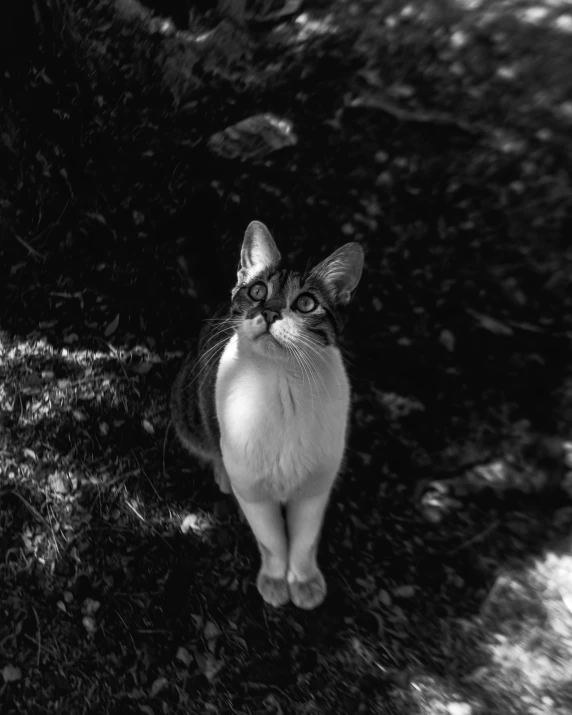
308,28
197,523
527,617
564,23
534,15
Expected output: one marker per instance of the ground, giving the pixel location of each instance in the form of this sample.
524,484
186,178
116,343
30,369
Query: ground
437,135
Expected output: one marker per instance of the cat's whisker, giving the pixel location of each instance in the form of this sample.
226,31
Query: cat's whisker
312,372
318,354
206,360
296,351
315,348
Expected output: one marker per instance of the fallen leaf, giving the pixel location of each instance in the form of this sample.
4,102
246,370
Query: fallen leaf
90,606
211,630
157,686
112,327
254,137
89,624
143,368
404,591
491,324
11,673
184,656
385,598
190,522
148,427
209,665
447,340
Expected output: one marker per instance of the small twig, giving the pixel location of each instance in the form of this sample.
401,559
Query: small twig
30,248
43,647
419,117
144,473
126,628
475,539
290,8
116,355
121,478
32,510
165,475
152,631
147,523
56,222
39,641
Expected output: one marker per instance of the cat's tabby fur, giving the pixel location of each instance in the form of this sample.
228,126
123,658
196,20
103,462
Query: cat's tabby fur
266,402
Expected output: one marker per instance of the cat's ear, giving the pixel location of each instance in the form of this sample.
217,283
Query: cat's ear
258,251
341,272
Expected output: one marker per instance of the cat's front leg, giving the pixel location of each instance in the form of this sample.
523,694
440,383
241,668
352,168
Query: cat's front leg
306,582
265,519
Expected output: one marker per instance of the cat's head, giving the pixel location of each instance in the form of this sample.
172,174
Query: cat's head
280,312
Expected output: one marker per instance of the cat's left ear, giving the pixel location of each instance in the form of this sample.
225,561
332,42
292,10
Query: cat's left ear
341,272
259,252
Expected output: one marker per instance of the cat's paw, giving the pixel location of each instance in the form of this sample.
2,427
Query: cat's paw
274,591
308,594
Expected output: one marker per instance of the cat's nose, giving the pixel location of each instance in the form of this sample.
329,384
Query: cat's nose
271,315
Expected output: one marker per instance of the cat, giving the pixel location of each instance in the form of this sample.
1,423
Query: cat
266,403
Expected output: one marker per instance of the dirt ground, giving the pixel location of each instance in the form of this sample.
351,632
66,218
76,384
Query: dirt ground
437,135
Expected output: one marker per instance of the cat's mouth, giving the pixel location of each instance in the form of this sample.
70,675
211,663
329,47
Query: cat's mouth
267,338
267,334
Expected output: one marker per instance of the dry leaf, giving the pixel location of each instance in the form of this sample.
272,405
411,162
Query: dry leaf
254,137
447,340
491,324
384,598
184,656
90,606
89,624
148,427
112,327
158,685
404,591
11,673
211,630
143,368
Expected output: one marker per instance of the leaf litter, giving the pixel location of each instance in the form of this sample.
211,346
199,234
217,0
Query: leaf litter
427,133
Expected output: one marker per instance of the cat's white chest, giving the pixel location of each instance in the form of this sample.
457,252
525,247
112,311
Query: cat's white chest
280,432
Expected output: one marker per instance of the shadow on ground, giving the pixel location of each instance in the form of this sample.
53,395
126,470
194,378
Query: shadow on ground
127,580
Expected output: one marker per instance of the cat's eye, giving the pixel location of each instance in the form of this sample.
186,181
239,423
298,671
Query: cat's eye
258,291
305,303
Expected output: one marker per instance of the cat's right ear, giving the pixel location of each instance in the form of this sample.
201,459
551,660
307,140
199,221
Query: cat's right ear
258,253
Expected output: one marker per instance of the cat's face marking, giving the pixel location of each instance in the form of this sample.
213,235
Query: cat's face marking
283,312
